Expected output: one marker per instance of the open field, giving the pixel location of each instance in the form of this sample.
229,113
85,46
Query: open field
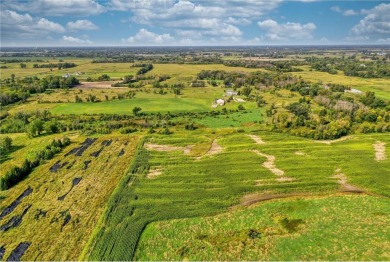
282,170
59,214
212,184
380,86
326,228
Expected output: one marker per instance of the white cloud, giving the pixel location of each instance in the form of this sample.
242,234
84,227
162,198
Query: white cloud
15,25
145,37
350,12
286,31
238,21
57,7
75,40
375,23
82,25
384,40
336,9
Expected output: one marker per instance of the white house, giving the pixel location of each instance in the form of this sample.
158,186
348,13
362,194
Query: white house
231,93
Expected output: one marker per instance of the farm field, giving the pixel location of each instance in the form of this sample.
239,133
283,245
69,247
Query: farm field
220,171
324,228
177,156
65,203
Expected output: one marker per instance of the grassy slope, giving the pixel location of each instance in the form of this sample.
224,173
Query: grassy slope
189,187
331,228
85,203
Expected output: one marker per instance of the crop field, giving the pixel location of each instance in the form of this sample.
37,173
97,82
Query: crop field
220,169
326,228
64,198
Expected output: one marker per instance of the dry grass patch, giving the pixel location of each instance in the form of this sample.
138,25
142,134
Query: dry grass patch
380,151
257,139
329,142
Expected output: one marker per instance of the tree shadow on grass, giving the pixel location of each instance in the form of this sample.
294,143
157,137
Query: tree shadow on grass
5,156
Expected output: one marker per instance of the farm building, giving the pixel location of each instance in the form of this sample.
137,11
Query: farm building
231,93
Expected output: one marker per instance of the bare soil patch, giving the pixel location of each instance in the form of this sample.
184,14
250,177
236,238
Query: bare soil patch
380,151
300,153
101,85
343,181
270,165
257,139
251,199
167,148
329,142
214,149
153,173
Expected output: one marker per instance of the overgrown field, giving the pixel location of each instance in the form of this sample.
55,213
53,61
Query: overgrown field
326,228
64,197
198,174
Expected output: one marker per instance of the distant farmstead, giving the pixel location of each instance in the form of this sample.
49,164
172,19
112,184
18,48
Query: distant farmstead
231,93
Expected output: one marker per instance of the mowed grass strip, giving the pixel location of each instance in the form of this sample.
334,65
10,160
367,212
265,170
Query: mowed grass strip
327,228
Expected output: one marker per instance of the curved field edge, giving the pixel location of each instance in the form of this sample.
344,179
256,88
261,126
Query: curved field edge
97,238
339,227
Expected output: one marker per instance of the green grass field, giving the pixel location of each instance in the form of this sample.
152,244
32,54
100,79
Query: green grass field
189,186
327,228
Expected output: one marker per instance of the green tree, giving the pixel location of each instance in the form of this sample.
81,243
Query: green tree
246,91
136,110
6,144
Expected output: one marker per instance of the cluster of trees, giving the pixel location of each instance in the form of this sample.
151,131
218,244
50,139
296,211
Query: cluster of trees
279,66
16,174
20,89
351,66
144,68
58,65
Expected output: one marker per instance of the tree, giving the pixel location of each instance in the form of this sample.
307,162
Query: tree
23,65
51,127
136,110
5,144
246,91
35,126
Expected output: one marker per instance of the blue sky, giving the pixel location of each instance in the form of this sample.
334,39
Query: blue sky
193,22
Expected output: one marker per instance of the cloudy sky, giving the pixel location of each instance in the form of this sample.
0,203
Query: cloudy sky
193,22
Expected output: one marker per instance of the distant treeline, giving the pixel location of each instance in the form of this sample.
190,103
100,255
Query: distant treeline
58,65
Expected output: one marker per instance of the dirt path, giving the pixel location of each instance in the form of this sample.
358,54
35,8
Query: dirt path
251,199
380,151
270,165
214,149
257,139
328,142
343,181
101,85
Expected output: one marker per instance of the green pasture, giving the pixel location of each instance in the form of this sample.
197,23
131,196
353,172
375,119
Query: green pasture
327,228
